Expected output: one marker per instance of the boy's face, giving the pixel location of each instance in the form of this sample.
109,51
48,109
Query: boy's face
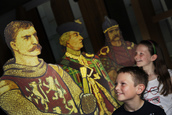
125,89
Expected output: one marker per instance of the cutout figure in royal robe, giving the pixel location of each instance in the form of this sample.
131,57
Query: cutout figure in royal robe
86,70
117,53
30,86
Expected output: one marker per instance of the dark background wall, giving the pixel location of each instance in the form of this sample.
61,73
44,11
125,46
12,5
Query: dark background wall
116,10
93,12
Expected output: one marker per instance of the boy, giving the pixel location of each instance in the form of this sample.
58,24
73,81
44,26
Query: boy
130,85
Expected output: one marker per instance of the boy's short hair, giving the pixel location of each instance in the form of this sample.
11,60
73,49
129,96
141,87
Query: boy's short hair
138,74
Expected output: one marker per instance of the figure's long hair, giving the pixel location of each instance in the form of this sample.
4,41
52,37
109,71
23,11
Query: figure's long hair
160,67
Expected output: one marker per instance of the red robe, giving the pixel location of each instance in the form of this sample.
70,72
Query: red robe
46,90
116,57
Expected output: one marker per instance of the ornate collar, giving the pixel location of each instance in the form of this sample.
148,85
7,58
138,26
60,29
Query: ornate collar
13,69
74,52
82,60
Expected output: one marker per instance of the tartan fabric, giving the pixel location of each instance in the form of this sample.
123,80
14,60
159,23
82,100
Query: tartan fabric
75,74
94,63
103,87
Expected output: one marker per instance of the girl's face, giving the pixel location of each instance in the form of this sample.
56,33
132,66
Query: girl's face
143,57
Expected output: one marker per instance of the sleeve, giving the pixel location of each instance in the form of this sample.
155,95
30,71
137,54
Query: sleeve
169,111
161,111
14,103
7,85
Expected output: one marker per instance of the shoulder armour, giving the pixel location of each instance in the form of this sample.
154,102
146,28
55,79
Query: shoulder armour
89,55
130,45
104,51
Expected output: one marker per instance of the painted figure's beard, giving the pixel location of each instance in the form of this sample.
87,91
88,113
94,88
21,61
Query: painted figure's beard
36,46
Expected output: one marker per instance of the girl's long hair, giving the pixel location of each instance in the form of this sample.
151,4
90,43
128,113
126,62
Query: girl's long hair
160,67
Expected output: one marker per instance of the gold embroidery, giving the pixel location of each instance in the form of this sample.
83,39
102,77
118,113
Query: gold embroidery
104,53
130,47
74,89
89,55
78,21
80,58
96,76
36,92
100,100
83,71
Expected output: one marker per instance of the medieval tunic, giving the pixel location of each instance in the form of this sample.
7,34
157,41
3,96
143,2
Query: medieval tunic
99,84
44,87
115,57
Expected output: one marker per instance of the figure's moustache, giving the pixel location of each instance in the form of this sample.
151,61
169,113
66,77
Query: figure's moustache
114,38
36,46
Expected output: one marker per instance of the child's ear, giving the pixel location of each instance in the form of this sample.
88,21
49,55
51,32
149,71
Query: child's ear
140,88
154,57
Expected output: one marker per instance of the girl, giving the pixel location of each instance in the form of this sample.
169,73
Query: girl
159,89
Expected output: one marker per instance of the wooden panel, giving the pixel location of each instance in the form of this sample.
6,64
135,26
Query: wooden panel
62,11
119,13
161,16
144,12
140,19
93,12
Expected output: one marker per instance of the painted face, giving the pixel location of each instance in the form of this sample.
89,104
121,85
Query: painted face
143,57
114,36
125,89
26,42
75,41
